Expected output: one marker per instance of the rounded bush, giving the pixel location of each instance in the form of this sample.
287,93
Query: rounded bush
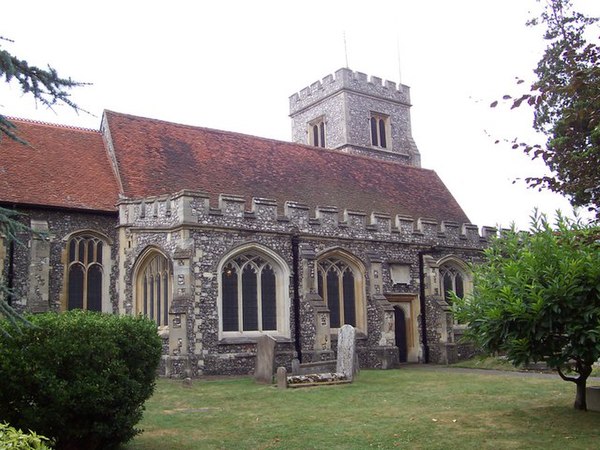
80,378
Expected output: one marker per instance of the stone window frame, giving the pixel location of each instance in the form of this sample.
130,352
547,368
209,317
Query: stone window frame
105,265
317,132
454,265
282,274
380,131
334,256
148,259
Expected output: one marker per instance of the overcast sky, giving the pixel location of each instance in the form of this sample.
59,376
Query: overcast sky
232,65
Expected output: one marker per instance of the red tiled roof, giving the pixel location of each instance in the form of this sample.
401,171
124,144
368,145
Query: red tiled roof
156,157
62,167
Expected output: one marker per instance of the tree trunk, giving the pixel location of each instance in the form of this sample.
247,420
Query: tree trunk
580,403
584,370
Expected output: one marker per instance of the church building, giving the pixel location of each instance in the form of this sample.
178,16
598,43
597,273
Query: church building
223,237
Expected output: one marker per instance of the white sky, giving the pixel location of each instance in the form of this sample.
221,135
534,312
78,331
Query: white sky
232,65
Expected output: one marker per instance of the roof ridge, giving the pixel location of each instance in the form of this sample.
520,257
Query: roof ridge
312,148
50,124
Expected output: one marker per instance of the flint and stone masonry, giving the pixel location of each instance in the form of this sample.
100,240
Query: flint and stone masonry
214,231
394,269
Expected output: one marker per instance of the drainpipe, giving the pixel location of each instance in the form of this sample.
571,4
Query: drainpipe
10,278
296,289
423,306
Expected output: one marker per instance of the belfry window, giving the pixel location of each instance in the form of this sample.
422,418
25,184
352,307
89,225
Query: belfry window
154,288
252,295
379,130
340,285
317,132
85,272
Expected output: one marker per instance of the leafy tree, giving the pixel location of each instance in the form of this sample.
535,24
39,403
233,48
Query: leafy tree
537,298
566,104
48,89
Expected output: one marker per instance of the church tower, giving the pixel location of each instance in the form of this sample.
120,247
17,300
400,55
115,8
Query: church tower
352,113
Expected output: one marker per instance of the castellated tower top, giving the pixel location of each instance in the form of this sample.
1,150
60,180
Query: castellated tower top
354,113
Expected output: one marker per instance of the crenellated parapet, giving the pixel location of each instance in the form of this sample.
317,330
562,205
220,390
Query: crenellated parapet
349,80
193,209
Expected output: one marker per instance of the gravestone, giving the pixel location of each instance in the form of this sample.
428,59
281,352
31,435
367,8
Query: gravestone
282,378
265,359
592,394
346,352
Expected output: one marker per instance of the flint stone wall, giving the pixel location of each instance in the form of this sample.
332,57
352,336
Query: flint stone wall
211,232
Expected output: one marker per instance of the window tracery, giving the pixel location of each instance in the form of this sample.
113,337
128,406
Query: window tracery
252,295
154,281
85,272
341,286
452,280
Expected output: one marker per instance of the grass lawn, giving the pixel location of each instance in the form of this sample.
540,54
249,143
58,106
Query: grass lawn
413,408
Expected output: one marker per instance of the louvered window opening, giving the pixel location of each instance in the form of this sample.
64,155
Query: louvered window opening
378,132
318,134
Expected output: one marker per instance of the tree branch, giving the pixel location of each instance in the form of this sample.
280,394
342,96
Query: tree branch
566,378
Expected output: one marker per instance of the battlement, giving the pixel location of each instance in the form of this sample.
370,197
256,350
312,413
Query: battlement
346,79
193,209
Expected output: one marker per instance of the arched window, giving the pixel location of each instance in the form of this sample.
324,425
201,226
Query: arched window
86,283
317,132
253,298
153,287
452,280
341,286
379,130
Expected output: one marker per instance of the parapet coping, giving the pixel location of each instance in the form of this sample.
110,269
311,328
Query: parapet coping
234,207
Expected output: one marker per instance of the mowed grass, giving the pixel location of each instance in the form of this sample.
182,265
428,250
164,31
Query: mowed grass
413,408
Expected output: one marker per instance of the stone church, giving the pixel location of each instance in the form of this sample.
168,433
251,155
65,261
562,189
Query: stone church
223,237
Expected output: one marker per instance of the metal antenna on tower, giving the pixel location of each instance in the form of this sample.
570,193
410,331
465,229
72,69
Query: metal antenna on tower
399,65
345,49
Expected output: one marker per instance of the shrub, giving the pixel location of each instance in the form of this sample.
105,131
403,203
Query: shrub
11,438
80,378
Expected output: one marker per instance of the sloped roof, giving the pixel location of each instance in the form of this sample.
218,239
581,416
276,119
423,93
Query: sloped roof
61,167
156,157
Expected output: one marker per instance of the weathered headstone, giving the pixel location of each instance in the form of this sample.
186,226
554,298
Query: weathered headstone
295,366
346,352
592,394
265,359
282,378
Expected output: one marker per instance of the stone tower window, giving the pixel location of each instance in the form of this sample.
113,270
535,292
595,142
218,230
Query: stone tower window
317,132
380,130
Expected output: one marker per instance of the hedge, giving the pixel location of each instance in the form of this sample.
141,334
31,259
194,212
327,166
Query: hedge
79,378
